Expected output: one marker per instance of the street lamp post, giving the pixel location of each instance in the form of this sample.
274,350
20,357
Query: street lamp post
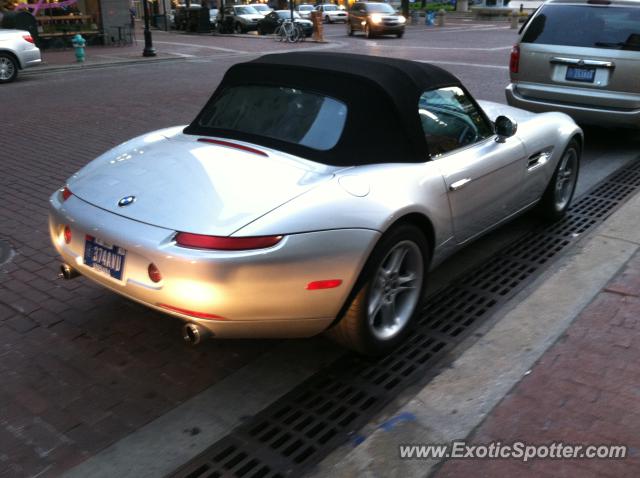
148,44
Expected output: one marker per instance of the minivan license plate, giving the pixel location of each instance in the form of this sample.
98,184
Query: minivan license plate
106,258
586,75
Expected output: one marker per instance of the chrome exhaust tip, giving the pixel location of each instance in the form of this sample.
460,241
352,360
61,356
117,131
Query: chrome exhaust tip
193,334
67,272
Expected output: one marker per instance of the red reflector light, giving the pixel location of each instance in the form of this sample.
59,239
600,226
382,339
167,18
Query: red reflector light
66,193
28,38
324,284
198,241
154,273
67,234
514,61
192,313
229,144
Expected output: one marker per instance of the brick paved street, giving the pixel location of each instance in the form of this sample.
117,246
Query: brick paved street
81,367
584,390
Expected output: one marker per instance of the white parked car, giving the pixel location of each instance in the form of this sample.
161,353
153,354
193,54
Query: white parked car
305,10
331,13
17,51
263,8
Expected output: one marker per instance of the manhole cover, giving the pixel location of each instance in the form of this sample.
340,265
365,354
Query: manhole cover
6,253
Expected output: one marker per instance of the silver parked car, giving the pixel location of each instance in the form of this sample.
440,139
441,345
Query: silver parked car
294,204
581,57
239,19
17,51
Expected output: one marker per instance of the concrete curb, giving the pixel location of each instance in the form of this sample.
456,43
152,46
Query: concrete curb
43,70
455,402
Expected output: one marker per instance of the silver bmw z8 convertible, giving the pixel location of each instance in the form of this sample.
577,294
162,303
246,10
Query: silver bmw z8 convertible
312,193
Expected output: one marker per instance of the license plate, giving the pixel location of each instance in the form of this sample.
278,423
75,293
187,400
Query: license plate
103,257
580,74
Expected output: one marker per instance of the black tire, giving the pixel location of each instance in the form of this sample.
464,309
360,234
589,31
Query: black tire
349,28
367,31
8,68
354,330
327,19
550,207
238,28
260,31
399,34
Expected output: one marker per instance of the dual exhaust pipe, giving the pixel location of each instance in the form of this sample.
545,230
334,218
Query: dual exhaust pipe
192,334
67,272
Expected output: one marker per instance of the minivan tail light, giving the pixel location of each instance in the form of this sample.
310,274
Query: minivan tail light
28,38
514,62
199,241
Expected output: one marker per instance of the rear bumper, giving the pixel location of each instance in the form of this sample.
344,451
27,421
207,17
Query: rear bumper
30,57
587,114
260,293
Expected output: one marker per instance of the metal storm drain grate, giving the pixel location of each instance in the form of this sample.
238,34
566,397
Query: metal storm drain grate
301,428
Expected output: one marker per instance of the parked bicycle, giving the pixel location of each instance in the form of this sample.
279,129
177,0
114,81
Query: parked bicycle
290,32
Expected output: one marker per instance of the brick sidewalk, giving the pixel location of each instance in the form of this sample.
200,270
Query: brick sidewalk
585,389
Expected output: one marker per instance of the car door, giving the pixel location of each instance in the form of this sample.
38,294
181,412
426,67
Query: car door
356,15
483,177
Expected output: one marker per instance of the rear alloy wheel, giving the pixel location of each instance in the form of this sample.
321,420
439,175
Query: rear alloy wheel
8,68
388,294
367,31
559,193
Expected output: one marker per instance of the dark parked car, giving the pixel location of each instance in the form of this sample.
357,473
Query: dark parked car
375,18
271,21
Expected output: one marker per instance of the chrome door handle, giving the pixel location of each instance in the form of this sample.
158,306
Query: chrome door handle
459,184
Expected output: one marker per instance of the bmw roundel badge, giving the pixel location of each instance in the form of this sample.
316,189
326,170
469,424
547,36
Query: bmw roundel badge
125,201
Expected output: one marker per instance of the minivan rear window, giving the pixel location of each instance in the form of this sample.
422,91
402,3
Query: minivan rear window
586,26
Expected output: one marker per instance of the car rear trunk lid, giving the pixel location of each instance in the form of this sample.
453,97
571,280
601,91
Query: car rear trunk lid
191,186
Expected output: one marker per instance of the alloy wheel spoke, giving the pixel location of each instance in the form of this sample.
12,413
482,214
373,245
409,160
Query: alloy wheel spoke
396,259
389,313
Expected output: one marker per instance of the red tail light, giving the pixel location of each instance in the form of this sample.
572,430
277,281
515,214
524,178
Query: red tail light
198,241
28,38
66,193
67,234
514,62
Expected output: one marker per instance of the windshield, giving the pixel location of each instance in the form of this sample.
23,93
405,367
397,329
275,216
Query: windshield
586,26
285,114
245,10
287,14
329,8
262,7
380,8
304,8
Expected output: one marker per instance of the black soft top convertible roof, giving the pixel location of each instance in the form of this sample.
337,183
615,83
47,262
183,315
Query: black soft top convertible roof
381,94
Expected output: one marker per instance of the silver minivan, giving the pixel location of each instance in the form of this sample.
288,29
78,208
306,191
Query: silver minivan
581,57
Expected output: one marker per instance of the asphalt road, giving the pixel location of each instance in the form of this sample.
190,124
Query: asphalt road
94,366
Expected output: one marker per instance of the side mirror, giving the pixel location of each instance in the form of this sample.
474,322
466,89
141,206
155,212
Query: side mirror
505,127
